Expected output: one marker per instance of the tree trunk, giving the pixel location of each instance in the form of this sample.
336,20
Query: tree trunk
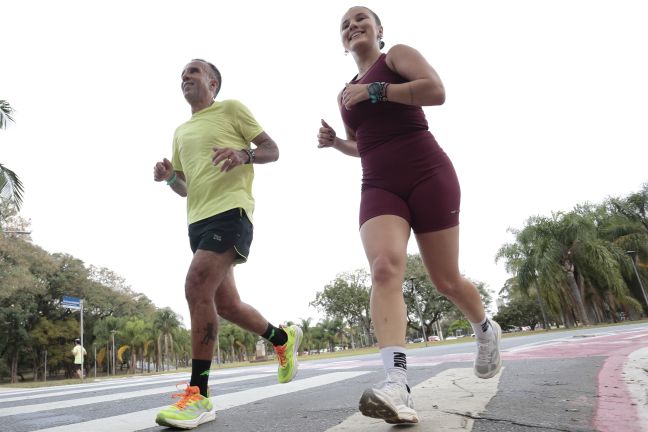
133,361
542,309
564,316
159,349
575,291
14,367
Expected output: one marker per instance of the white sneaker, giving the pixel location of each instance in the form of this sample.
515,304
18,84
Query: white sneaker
389,401
489,362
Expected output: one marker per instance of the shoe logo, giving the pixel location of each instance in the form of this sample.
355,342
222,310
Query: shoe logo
485,325
217,237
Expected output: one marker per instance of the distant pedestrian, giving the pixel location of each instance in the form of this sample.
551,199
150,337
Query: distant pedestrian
78,352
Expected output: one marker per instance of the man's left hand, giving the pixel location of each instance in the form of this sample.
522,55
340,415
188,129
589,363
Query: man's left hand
230,158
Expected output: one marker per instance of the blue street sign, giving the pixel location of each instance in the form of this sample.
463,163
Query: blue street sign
71,302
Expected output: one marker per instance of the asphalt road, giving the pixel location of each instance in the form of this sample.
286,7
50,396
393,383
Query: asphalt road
582,380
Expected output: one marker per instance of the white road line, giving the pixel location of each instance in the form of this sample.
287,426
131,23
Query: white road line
103,386
146,419
91,382
26,409
637,336
65,390
441,403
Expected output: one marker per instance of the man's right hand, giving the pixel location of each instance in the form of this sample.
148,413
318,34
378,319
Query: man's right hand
163,170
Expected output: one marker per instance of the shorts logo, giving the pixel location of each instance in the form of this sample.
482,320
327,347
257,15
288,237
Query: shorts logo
454,211
217,237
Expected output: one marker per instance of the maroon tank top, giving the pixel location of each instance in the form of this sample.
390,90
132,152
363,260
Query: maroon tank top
395,146
376,123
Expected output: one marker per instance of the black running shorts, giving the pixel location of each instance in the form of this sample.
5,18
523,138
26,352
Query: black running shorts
222,232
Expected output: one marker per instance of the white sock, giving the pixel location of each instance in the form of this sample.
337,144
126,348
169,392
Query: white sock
483,330
395,363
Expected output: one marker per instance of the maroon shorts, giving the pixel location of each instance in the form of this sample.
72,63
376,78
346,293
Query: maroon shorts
419,186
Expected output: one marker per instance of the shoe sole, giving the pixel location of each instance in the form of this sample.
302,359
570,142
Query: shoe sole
499,364
374,405
188,424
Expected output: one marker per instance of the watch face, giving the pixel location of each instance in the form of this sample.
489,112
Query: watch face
374,88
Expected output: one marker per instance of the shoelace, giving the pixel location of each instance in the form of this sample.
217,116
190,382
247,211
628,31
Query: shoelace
484,350
281,354
190,394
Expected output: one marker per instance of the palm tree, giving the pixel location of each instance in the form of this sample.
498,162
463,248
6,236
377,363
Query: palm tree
10,185
578,272
104,331
521,261
134,335
165,322
305,325
333,332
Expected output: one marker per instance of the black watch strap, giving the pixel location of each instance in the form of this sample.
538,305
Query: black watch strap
251,155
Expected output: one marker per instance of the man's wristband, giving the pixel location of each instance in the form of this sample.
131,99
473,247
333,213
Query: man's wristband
172,180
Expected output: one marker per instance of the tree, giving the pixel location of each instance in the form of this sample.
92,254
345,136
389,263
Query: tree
332,332
11,223
165,323
634,207
305,325
347,298
517,309
104,331
24,273
424,301
134,333
55,338
575,263
10,185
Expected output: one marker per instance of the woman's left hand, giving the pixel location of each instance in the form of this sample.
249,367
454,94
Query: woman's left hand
353,94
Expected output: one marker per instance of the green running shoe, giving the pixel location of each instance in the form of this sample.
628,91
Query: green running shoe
287,354
190,411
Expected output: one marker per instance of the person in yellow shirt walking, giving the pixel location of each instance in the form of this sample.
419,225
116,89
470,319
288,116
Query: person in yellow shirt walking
78,352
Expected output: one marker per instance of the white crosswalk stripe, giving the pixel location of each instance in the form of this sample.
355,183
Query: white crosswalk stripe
25,409
146,418
95,387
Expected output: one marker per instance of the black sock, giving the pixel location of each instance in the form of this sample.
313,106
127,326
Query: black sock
275,335
200,375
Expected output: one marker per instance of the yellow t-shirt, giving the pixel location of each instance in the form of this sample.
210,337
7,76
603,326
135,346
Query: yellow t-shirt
209,190
76,351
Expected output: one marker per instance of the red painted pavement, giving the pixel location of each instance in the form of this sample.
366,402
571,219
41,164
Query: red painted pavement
616,411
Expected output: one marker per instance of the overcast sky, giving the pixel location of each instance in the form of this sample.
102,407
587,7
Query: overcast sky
546,107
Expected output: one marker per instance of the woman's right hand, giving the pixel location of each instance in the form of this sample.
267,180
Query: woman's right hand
326,136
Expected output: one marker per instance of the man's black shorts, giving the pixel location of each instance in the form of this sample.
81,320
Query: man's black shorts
222,232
